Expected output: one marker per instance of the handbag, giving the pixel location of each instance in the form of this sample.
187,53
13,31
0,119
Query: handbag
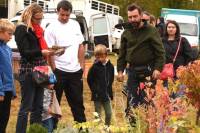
43,75
168,69
54,106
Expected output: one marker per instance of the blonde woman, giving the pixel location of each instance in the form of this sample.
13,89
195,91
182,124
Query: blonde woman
30,43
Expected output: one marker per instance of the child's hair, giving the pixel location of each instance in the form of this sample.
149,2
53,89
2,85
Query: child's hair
6,25
152,19
29,12
100,49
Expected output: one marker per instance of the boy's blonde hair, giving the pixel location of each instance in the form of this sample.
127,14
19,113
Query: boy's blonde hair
100,49
29,12
6,25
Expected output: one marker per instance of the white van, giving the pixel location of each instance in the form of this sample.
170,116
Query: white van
101,18
102,30
50,18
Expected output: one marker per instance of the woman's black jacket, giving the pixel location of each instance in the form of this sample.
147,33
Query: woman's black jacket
27,43
185,54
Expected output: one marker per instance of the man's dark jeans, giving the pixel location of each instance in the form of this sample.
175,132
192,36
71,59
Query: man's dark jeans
32,101
135,95
72,85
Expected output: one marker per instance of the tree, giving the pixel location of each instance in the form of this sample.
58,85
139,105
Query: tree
151,6
154,6
196,4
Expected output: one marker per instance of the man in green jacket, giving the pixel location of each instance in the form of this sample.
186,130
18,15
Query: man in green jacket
141,48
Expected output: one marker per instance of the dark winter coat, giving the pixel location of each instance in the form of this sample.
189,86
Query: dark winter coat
27,43
184,55
141,47
100,78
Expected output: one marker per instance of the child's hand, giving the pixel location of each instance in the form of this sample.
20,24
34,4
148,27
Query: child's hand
49,111
1,98
50,86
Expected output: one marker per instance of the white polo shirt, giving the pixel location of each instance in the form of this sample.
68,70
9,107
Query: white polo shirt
68,34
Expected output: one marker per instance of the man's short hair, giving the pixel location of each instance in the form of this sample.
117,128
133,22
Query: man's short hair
6,25
100,49
134,6
65,5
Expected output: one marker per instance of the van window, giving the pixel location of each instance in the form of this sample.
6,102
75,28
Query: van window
116,11
188,29
94,5
109,9
100,26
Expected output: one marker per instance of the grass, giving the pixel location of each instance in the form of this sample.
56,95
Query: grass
118,105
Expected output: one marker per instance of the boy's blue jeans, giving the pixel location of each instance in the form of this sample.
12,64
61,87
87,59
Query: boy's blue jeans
108,110
48,124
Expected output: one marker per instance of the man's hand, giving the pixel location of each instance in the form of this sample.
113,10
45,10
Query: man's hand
82,66
156,74
1,98
120,76
47,52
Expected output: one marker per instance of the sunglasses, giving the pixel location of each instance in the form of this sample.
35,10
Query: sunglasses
38,19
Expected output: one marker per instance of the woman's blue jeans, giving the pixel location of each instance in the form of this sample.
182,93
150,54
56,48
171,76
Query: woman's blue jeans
31,101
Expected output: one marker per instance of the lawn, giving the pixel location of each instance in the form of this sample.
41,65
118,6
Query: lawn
118,104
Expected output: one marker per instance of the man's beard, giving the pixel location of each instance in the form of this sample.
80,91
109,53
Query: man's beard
136,25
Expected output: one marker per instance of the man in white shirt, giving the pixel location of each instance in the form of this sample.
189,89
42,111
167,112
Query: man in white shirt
69,66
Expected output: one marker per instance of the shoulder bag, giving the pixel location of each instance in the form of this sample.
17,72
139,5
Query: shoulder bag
168,69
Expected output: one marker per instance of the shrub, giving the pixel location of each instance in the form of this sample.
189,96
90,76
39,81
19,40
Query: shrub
37,128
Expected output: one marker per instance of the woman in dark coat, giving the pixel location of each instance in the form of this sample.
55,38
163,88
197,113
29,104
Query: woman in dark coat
171,40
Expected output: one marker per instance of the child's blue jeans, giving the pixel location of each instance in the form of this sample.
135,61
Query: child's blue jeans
48,124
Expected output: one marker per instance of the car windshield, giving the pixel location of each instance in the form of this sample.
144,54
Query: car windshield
188,29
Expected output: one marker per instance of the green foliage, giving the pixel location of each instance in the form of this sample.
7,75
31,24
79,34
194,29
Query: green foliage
37,128
163,114
154,6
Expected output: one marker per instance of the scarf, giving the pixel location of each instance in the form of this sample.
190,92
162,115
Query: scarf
39,33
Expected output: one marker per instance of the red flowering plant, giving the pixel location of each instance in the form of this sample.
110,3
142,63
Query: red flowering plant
162,113
190,76
165,114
